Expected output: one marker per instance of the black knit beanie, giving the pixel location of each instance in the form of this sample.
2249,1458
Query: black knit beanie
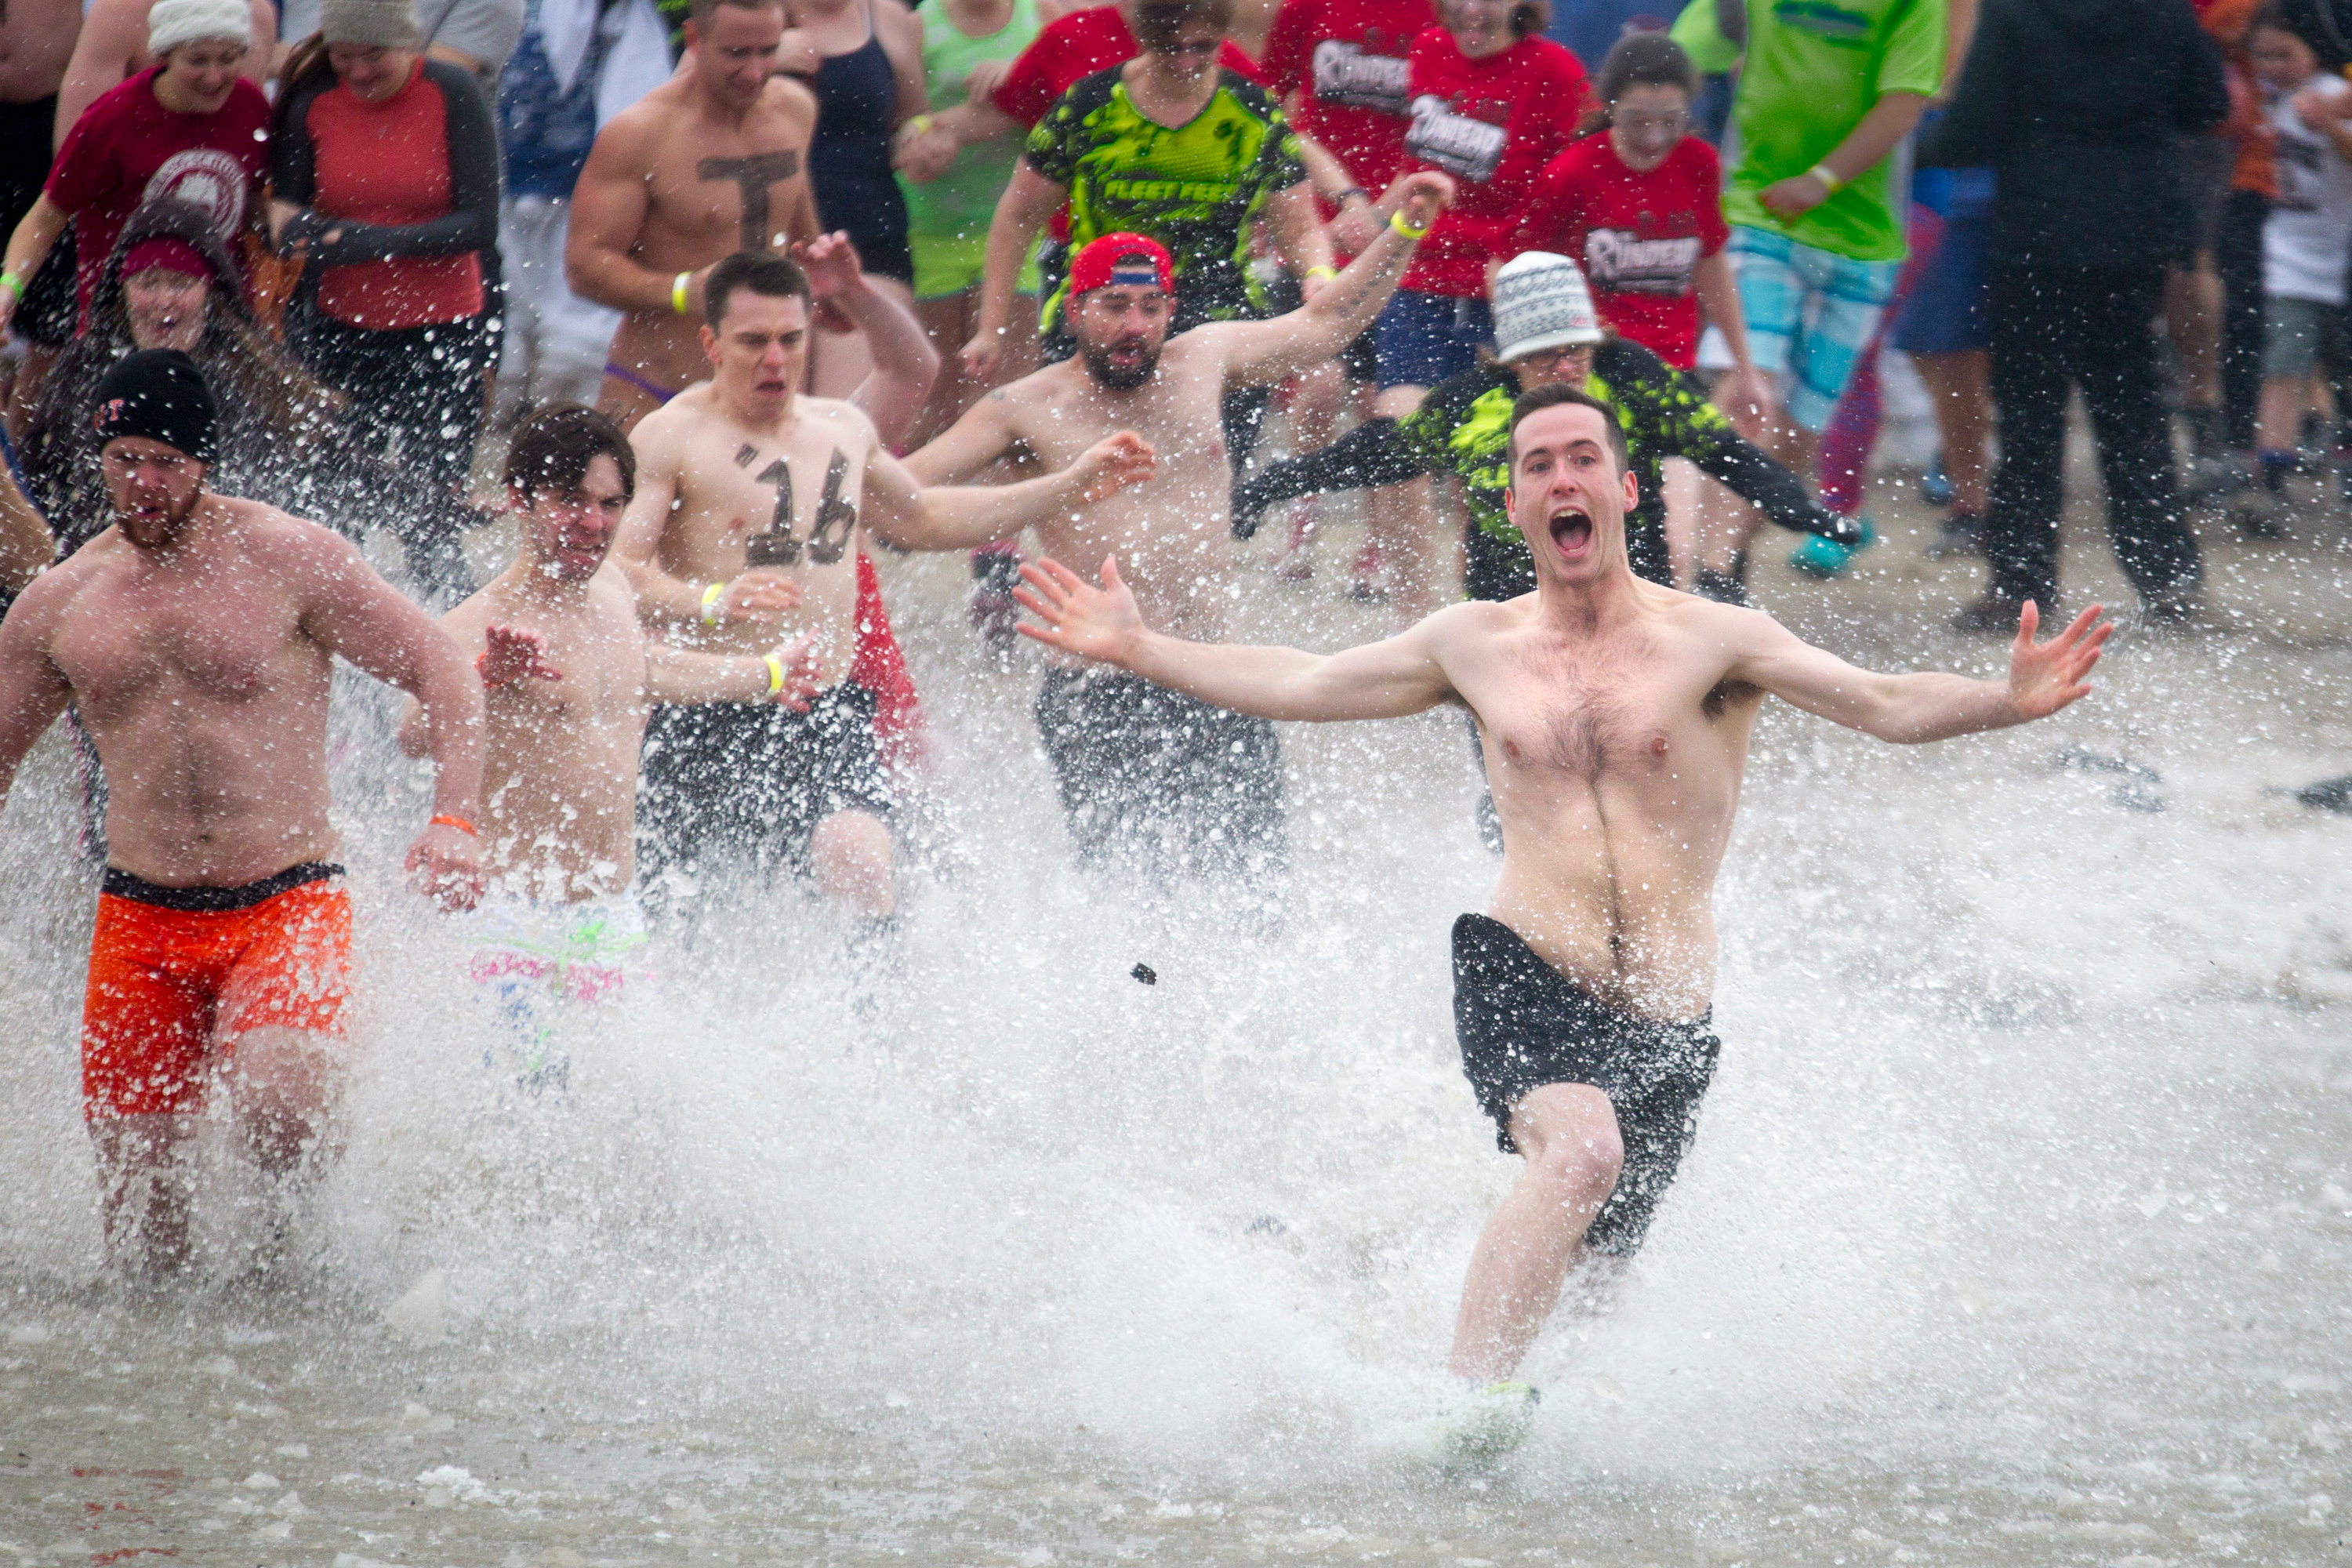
161,394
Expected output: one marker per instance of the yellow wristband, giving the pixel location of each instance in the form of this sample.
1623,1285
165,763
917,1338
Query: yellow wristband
919,124
1325,273
677,292
1827,176
775,675
711,597
1396,222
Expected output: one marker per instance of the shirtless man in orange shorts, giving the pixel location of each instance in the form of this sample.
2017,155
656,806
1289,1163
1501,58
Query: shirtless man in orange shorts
197,638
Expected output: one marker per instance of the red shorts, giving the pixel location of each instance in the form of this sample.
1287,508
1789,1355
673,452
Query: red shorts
177,974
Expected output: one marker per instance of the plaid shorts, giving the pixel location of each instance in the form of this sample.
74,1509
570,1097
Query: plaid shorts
1811,313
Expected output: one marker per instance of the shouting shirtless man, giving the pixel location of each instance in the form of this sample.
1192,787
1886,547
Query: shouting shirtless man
1181,785
568,674
713,162
748,515
197,638
1615,716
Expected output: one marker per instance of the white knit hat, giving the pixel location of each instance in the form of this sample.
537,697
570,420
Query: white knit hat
175,21
1541,302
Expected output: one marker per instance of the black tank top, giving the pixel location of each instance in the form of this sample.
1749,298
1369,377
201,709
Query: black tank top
850,159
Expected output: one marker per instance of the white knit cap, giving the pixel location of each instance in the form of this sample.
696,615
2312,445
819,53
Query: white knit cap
175,21
1541,302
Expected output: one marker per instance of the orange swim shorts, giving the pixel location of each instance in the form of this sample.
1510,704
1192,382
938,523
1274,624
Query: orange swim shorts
177,974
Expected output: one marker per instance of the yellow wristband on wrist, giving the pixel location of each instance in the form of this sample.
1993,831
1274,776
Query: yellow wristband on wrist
1396,222
711,597
677,292
775,676
1325,273
919,124
1827,176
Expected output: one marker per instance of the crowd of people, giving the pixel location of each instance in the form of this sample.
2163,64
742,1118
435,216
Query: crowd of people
840,273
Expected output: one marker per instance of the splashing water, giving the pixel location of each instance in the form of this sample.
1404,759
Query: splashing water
2017,1225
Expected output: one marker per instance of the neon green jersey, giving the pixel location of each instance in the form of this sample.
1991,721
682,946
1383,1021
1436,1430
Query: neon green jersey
1814,68
1196,188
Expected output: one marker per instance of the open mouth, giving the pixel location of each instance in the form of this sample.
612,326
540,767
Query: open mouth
1572,531
772,387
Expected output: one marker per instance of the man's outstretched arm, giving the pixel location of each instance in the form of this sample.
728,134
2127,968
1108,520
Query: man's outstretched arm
1377,680
1258,352
2044,676
964,517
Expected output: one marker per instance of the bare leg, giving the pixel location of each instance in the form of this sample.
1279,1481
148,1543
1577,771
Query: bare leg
851,851
1960,385
144,1192
1568,1131
2192,316
1728,524
1398,522
1682,502
282,1087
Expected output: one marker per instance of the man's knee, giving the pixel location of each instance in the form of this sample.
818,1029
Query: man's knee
850,851
1568,1133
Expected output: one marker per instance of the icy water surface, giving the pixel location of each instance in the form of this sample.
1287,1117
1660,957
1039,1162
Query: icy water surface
2019,1230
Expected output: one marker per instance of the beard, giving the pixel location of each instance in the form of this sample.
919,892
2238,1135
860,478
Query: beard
1096,357
155,532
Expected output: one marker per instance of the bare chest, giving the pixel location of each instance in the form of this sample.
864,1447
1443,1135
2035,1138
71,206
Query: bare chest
730,193
1624,717
788,506
123,649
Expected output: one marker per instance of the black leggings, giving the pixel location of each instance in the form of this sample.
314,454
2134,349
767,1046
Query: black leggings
416,400
2058,326
2238,258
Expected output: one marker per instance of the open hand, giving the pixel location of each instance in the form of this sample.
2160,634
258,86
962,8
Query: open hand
1419,197
1746,397
514,653
2045,677
444,864
832,263
803,674
979,83
1112,464
1093,622
924,155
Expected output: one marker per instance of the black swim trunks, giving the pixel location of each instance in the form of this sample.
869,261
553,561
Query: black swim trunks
750,781
1151,776
1521,1025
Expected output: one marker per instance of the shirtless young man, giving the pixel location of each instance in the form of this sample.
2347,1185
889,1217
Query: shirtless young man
568,675
1181,786
197,638
749,509
712,162
1615,716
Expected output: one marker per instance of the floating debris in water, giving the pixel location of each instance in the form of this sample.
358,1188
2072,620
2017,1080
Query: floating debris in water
1145,973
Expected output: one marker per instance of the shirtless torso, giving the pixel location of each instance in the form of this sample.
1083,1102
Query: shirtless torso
1616,717
1171,537
713,162
202,677
37,39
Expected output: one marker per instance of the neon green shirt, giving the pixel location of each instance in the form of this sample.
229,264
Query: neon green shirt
1196,188
1814,68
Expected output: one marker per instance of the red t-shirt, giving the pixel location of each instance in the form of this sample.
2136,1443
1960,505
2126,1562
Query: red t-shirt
1493,124
1639,238
1347,61
127,148
389,163
1075,48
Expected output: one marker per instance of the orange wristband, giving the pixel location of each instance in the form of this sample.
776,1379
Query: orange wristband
460,823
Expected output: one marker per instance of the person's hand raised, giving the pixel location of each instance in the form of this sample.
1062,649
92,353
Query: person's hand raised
1101,623
2044,677
1419,197
512,654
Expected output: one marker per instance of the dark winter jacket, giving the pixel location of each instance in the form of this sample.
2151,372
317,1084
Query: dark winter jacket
2080,106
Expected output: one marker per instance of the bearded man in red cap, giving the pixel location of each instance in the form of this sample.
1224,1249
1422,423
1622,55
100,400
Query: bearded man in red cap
1148,776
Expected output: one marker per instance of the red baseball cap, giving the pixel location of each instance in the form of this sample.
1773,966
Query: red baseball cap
1128,260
